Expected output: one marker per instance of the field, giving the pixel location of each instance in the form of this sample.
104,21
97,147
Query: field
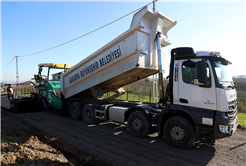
241,119
138,91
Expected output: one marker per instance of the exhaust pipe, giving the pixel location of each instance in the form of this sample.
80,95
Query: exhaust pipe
161,87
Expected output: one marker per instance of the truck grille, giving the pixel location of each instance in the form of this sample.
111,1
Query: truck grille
232,115
232,105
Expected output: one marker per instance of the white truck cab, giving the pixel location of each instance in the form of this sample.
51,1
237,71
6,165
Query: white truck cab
201,86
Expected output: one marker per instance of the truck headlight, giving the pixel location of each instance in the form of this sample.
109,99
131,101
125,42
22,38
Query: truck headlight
223,129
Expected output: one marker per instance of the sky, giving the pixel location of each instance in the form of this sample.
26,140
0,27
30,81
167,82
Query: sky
32,26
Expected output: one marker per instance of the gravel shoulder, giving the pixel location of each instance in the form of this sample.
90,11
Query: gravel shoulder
107,143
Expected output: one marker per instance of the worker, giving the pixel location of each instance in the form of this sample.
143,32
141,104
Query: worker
39,75
10,92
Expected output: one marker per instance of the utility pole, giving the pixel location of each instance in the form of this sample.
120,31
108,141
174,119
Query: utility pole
17,75
154,7
155,82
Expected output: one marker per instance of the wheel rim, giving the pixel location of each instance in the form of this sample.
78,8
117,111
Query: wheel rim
137,124
88,114
177,133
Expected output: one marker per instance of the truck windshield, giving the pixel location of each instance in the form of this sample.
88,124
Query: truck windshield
223,73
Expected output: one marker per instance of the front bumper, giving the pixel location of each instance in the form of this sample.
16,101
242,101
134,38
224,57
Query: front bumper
225,118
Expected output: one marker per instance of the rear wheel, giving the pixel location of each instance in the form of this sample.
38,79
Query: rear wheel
179,132
82,106
138,124
75,110
88,114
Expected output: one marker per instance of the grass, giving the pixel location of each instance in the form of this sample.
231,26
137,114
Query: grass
241,118
131,97
241,105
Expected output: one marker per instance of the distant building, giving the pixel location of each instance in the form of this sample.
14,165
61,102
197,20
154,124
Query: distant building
25,83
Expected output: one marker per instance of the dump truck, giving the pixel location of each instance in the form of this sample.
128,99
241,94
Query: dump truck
200,102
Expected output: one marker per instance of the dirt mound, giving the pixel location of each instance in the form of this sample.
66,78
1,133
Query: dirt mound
20,145
32,152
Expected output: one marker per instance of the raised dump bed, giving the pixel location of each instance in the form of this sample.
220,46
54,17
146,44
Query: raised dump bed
129,57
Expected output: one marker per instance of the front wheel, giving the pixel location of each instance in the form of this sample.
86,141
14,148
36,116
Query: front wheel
138,124
179,132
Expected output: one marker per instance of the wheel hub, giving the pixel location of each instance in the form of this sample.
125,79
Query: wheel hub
88,114
75,111
177,133
137,124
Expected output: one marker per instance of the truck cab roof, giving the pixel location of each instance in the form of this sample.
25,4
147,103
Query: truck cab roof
189,53
207,53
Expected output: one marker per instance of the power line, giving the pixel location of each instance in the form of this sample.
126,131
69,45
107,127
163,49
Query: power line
8,63
78,37
84,34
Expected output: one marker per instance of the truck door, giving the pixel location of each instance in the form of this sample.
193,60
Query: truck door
190,91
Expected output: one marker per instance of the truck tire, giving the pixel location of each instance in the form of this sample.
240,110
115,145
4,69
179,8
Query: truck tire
75,110
88,114
138,124
179,132
82,106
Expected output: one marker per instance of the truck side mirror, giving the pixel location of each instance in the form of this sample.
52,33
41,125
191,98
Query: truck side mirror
225,62
202,72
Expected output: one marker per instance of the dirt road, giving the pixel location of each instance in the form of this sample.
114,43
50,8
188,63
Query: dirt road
111,144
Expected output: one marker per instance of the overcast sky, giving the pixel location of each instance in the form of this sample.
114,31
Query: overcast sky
29,27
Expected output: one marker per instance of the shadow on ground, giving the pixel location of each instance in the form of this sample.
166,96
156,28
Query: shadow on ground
155,146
